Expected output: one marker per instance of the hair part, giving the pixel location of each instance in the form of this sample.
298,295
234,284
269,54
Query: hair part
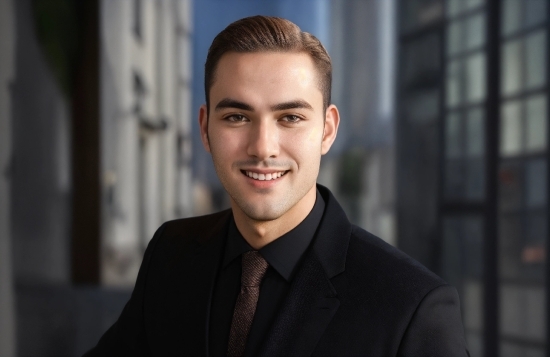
265,34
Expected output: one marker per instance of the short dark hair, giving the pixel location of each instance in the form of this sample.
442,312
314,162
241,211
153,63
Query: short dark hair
264,34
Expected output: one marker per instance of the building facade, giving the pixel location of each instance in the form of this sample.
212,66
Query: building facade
472,161
146,127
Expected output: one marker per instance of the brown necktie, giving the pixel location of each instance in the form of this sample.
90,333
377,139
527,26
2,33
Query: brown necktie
253,270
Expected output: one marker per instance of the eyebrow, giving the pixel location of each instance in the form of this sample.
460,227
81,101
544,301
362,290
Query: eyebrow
294,104
232,103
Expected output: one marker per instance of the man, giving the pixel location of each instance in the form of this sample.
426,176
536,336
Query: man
282,272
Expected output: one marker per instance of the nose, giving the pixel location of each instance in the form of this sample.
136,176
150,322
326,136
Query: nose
263,141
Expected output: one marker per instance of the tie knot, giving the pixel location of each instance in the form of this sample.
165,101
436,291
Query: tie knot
254,267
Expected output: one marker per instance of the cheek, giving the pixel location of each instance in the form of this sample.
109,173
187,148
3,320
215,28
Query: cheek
223,141
315,136
304,146
308,141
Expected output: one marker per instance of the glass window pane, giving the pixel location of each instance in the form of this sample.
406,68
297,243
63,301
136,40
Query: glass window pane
475,133
508,349
454,179
417,13
475,31
450,257
462,257
536,110
475,179
535,12
535,183
429,12
523,312
454,87
421,58
473,305
510,187
533,252
454,38
510,129
475,78
475,343
454,7
511,67
511,17
453,136
422,107
462,266
537,231
473,248
535,52
470,4
509,233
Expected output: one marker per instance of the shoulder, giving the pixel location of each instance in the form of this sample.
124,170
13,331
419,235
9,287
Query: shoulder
175,235
178,241
382,270
195,226
366,260
383,286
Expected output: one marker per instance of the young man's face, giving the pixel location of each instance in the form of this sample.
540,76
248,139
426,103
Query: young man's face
266,132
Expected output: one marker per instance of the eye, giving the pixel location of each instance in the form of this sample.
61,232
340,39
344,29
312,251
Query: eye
235,118
291,118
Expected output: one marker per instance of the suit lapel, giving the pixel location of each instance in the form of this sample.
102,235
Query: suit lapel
188,303
312,300
307,311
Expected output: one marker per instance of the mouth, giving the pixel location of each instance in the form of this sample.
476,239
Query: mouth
264,177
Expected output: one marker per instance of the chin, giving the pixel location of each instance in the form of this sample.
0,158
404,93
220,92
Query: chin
260,213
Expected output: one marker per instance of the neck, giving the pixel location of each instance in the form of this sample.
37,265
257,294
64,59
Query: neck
260,233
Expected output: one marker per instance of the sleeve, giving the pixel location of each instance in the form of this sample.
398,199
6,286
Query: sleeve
436,326
127,335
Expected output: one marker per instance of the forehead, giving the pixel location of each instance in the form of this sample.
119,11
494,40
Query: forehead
266,73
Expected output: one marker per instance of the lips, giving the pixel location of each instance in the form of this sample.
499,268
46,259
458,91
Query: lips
264,177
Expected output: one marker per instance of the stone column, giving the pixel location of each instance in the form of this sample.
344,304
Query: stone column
121,248
184,114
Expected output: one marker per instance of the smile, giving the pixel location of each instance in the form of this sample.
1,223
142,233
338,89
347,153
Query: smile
264,177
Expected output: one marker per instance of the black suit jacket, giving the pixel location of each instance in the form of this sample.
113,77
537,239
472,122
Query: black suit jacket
353,294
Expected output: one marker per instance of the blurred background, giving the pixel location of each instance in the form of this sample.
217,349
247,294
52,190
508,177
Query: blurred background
442,150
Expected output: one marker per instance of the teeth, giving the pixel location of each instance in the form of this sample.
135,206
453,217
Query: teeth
264,177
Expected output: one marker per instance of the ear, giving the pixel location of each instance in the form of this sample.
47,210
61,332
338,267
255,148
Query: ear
332,120
203,124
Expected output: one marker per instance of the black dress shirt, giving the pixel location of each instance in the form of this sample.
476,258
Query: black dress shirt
283,255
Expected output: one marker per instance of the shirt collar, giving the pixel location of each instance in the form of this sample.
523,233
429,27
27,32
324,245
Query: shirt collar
284,253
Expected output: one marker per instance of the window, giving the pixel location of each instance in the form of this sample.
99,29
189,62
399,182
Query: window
522,177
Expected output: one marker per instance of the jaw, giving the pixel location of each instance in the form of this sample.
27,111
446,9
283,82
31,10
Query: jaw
264,216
